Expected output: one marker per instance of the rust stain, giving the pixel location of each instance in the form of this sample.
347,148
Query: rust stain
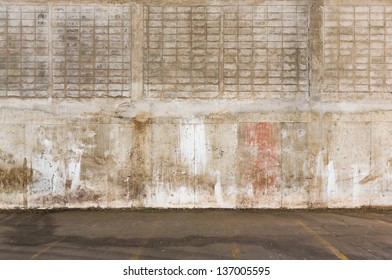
261,144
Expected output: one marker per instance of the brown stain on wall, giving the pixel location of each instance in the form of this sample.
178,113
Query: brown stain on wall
7,158
139,174
16,180
369,178
177,175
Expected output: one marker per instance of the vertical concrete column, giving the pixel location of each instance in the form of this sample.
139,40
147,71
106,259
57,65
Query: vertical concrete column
316,139
316,49
137,51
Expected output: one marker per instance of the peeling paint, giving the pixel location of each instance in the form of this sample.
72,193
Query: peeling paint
331,181
218,190
193,146
361,194
264,167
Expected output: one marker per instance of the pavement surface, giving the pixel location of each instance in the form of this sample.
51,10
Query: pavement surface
196,234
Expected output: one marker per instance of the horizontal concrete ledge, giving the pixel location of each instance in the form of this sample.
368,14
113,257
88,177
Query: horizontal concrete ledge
125,109
167,2
357,2
196,210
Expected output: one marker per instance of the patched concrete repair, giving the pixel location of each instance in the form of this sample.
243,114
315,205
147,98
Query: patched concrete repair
195,104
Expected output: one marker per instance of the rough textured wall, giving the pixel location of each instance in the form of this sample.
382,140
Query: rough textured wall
201,103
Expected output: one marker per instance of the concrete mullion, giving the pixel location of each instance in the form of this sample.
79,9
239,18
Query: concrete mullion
298,60
80,53
21,51
107,54
122,57
7,57
238,52
281,56
94,52
191,59
65,54
221,54
162,70
368,68
177,68
316,61
267,54
385,55
35,45
50,51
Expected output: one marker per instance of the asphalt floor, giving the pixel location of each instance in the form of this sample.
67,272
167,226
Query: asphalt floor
196,234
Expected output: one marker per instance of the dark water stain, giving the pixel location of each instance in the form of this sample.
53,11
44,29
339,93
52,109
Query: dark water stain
15,179
30,229
139,173
7,158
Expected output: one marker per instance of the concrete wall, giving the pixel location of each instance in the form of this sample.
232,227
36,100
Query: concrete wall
237,104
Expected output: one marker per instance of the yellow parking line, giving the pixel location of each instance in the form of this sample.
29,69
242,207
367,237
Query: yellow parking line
139,251
329,246
46,249
384,223
235,249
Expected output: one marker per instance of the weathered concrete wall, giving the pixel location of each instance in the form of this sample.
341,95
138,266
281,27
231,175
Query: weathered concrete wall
251,104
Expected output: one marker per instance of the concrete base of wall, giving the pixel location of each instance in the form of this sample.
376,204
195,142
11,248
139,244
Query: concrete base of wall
119,153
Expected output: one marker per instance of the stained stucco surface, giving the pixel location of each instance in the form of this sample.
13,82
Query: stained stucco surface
250,104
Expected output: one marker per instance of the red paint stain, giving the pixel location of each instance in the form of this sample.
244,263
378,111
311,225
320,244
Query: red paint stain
261,142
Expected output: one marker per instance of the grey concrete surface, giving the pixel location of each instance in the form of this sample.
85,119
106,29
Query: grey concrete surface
195,104
196,234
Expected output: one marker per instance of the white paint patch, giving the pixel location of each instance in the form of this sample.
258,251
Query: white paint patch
360,191
91,134
74,165
319,165
200,149
49,171
232,191
48,144
218,189
249,190
74,173
388,172
193,147
331,182
186,195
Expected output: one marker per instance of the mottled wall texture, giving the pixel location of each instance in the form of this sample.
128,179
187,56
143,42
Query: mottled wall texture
195,104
